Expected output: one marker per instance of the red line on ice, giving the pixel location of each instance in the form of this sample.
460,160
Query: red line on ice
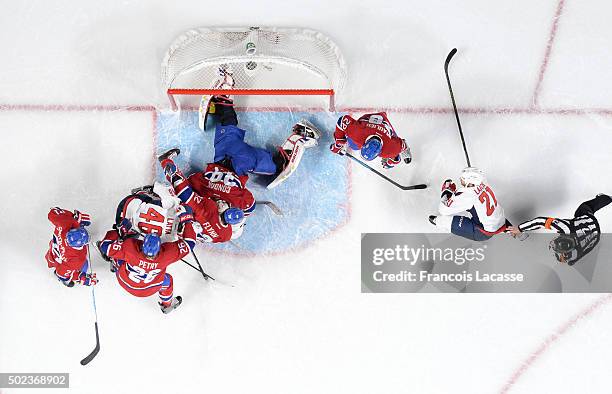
75,108
401,110
549,46
553,338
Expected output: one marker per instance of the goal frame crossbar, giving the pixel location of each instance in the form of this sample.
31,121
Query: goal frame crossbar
252,92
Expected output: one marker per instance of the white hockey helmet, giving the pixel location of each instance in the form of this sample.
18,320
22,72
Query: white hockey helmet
472,176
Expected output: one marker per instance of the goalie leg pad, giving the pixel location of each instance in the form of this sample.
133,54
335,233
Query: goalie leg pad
292,152
216,105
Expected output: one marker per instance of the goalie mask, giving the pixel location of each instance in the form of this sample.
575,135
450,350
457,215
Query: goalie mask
372,148
563,246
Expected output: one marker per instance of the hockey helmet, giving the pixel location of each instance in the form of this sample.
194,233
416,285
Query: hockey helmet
77,237
472,176
151,245
562,246
233,216
372,148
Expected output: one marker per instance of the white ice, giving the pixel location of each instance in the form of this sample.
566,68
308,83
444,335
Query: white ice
297,323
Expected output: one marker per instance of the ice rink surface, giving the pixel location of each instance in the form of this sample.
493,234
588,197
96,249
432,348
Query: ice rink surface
79,115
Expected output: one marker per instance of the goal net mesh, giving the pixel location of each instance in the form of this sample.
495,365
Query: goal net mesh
263,62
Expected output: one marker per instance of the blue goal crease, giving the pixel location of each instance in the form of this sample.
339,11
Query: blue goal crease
313,199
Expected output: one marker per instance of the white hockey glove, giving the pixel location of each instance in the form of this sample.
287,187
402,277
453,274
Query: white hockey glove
405,154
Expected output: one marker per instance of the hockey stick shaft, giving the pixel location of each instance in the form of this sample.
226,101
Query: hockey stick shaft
275,209
96,349
450,89
204,274
412,187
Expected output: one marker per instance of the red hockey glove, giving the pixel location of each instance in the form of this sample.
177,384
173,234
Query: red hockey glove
390,163
338,147
124,228
169,167
88,279
83,218
448,189
184,213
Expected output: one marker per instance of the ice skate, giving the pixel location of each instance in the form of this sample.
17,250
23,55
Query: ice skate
176,302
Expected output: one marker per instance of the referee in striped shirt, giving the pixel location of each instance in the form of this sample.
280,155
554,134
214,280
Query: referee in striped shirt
579,235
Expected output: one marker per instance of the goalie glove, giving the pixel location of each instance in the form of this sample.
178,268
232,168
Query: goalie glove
338,147
389,163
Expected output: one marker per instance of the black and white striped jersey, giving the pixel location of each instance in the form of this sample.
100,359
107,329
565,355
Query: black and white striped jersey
584,228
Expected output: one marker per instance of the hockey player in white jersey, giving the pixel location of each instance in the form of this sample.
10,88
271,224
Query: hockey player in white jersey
471,211
150,209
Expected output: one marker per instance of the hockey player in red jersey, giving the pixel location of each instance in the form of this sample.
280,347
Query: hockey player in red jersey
219,182
220,222
374,136
142,263
68,248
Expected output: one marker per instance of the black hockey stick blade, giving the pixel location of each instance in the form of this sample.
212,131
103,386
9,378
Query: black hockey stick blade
275,209
449,57
411,187
94,352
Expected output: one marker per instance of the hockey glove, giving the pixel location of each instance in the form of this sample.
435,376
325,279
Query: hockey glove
88,279
169,167
390,163
83,218
448,189
124,228
184,213
338,147
405,154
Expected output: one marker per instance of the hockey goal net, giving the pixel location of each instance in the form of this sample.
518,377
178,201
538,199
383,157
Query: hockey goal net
263,61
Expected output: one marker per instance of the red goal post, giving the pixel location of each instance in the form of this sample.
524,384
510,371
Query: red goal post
263,62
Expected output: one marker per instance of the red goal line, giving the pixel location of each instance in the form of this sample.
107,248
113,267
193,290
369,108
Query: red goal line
252,92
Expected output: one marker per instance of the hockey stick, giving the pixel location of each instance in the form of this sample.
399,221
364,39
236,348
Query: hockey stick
204,274
275,209
412,187
450,89
96,350
218,281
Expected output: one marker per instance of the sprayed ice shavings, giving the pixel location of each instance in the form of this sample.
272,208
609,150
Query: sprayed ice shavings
314,199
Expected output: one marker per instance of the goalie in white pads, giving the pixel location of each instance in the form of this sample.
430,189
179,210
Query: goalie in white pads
234,153
472,211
